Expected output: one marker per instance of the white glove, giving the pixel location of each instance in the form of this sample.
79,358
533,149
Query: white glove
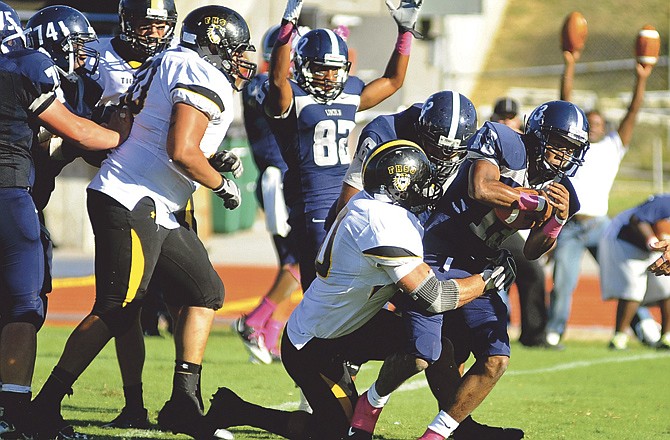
500,274
406,15
292,12
229,193
225,161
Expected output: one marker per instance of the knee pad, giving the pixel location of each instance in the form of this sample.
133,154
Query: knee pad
426,347
118,319
276,213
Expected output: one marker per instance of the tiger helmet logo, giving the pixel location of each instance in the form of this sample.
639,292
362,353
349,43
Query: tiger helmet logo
216,32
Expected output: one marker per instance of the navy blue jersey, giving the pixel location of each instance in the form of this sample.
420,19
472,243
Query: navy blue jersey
465,229
386,128
656,208
81,95
29,82
262,141
313,141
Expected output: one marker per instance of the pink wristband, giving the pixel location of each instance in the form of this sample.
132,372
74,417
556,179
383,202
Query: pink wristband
285,32
531,202
553,227
404,43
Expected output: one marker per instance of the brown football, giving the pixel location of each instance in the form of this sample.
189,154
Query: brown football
574,32
647,45
517,219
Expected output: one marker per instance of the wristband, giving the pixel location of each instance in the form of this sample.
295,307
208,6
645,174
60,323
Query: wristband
404,43
531,202
285,32
220,187
553,227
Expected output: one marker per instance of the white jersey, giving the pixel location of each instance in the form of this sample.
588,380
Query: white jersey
141,167
595,177
114,74
371,246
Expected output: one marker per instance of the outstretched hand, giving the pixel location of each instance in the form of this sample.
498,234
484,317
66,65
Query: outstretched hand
292,11
406,15
662,265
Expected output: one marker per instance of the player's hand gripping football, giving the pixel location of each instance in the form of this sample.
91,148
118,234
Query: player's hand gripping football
292,11
559,199
229,193
406,15
225,161
500,273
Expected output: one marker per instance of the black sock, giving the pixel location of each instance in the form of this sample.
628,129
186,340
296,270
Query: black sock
133,396
58,384
186,380
14,405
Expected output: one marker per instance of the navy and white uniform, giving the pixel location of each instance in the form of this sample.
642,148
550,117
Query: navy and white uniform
29,83
624,257
462,233
271,169
313,140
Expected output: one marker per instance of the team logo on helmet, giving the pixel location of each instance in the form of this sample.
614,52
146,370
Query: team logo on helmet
216,33
402,176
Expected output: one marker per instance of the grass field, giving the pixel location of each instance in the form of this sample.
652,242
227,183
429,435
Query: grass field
585,392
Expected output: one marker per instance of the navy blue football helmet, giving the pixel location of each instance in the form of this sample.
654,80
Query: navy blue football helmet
220,36
11,33
62,32
560,138
401,171
316,51
269,38
446,123
132,12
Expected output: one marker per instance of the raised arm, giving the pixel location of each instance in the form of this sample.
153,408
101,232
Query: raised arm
405,16
570,60
627,124
280,94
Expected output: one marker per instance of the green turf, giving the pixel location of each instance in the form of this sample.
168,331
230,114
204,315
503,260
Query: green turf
585,392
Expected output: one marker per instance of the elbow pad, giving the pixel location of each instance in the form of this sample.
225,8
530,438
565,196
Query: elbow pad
436,296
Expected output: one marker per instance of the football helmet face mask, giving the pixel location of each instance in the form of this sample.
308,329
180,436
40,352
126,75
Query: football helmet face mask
62,32
11,33
560,138
322,64
446,123
401,171
134,14
220,36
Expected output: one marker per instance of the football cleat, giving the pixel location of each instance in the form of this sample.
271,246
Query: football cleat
224,409
358,434
223,434
664,342
53,426
619,341
365,416
253,340
67,432
181,415
129,418
468,429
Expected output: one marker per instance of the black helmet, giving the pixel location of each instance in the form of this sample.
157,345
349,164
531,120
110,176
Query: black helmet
63,31
401,171
225,30
446,123
561,129
133,11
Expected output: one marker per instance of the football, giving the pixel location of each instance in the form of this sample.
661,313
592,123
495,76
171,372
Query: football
662,229
647,45
517,219
574,32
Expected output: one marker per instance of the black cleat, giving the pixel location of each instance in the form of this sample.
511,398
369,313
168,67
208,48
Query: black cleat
358,434
130,418
223,409
468,429
181,415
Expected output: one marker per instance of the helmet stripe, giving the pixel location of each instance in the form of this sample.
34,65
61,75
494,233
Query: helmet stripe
455,112
385,146
157,4
333,42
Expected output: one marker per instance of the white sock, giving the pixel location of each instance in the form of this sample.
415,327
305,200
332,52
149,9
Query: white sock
375,399
443,424
13,388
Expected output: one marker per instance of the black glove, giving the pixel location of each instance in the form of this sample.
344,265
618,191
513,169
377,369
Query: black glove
229,192
500,273
226,162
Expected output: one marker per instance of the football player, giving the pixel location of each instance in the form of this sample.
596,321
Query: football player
373,249
183,100
29,99
260,330
463,233
313,115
